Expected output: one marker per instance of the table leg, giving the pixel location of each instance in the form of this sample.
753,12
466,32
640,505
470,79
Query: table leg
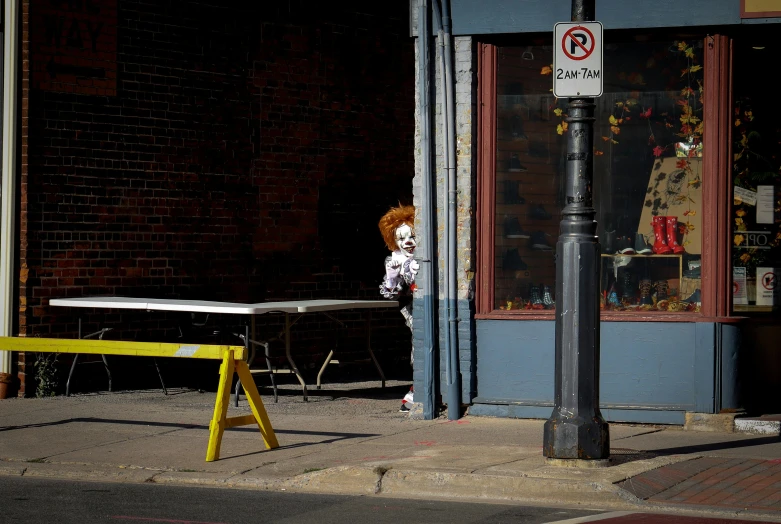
289,356
70,374
251,352
325,365
369,346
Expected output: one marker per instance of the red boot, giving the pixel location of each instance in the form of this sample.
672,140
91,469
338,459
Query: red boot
672,235
660,246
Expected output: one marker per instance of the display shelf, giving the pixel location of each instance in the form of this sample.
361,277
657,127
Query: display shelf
645,282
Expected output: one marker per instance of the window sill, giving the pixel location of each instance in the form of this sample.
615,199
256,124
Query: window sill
647,316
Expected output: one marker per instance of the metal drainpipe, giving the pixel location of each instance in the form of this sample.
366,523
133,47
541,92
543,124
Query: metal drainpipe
451,222
9,187
426,217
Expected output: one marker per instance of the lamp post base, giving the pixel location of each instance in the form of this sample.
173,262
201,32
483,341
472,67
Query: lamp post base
578,463
576,439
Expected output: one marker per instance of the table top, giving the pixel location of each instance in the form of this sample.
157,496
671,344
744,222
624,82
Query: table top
206,306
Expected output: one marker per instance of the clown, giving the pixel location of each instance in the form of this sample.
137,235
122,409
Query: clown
398,283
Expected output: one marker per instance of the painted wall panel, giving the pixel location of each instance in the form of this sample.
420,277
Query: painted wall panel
705,362
639,367
515,360
647,363
731,347
525,16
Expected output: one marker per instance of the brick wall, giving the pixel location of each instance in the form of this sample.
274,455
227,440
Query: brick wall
186,149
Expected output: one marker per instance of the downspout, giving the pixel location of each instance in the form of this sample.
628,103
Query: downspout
426,217
451,222
9,187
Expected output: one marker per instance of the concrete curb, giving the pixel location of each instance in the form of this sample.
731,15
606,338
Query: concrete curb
394,483
86,472
758,426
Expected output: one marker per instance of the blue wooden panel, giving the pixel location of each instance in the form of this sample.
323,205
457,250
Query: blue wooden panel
705,362
640,367
473,17
515,360
731,346
647,363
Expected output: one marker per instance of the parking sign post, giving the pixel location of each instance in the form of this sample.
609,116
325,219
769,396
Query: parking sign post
576,430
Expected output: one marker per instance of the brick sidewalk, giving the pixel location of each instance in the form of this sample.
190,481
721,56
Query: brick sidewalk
713,481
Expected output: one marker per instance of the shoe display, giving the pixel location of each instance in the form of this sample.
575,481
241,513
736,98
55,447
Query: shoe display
512,261
692,266
672,235
661,287
404,408
624,246
538,241
642,247
645,292
547,298
660,246
516,128
512,229
515,164
538,213
612,297
608,242
628,287
512,193
694,297
534,297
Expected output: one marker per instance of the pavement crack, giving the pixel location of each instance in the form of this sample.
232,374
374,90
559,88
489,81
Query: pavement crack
380,471
638,434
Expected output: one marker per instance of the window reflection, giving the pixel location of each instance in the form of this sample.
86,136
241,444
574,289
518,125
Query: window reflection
647,177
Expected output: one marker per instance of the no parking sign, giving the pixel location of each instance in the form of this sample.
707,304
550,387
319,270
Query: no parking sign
768,287
577,59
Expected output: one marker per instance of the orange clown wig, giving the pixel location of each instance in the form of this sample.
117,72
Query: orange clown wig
392,220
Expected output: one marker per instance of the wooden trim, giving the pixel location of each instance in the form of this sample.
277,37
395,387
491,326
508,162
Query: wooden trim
716,265
519,314
709,160
729,201
723,269
660,316
757,14
487,62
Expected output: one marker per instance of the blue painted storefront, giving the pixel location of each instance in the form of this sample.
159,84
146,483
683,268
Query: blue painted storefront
651,372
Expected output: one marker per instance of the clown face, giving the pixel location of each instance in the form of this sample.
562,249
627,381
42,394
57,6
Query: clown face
405,239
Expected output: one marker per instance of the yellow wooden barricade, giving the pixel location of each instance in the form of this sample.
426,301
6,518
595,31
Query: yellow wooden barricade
234,360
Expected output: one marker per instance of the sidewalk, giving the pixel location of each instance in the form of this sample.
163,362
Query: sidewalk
350,439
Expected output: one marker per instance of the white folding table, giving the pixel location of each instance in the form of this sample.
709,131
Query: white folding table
288,307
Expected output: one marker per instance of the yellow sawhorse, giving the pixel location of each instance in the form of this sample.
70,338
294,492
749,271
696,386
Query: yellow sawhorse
234,360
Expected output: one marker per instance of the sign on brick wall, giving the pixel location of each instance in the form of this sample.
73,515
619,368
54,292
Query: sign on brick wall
73,46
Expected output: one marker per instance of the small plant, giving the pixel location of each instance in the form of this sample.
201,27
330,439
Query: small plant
312,470
37,461
46,375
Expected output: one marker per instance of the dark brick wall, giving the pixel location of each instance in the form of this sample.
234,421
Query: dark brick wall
245,154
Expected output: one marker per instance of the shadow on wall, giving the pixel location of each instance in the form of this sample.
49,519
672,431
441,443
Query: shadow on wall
761,366
348,215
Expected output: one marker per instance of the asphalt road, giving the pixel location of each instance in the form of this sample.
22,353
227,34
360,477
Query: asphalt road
35,501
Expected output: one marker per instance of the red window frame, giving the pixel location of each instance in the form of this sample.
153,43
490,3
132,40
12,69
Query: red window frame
716,279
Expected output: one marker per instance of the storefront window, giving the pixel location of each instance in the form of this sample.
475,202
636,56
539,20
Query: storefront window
756,164
647,176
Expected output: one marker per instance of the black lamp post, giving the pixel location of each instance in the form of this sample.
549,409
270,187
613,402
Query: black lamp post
576,429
